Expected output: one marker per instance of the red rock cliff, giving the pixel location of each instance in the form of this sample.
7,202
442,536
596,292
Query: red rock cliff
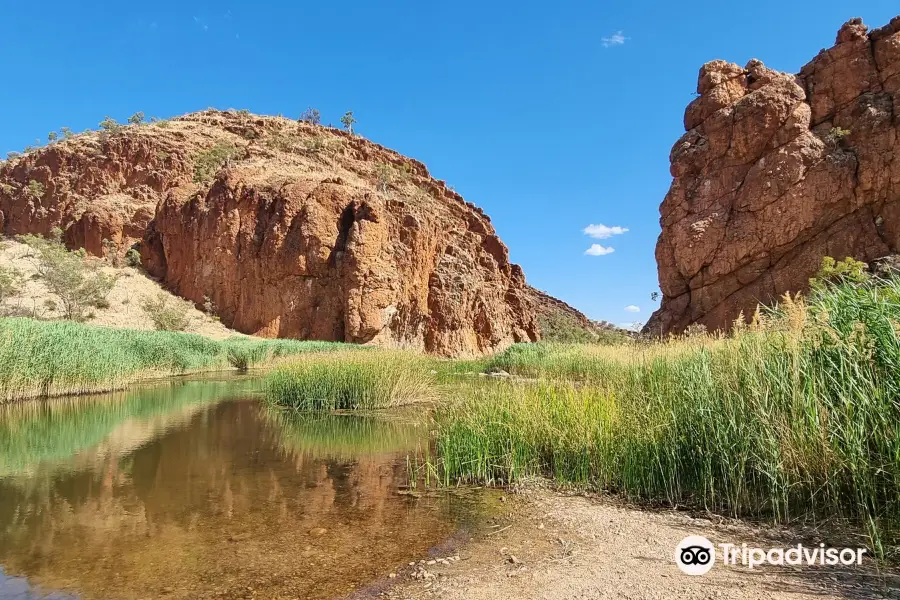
290,229
775,172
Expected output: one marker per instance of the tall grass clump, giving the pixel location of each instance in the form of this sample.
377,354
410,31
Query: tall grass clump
795,416
41,358
349,381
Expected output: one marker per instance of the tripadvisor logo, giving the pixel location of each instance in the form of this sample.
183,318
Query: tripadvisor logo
696,555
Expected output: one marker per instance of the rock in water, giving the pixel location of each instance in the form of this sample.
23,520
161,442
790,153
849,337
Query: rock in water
775,172
290,229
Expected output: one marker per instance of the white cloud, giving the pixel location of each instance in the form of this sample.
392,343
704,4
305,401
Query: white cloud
616,39
598,250
633,308
602,232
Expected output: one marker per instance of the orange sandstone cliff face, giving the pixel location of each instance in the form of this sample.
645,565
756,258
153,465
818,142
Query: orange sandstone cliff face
289,229
775,172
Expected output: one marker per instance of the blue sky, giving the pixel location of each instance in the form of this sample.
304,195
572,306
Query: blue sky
551,116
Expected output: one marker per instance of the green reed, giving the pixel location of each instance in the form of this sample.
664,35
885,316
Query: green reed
351,381
51,358
796,416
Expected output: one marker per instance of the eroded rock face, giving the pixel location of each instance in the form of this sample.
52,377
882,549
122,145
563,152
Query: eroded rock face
296,231
775,172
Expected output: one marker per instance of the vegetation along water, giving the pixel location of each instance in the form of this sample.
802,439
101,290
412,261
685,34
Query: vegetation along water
794,416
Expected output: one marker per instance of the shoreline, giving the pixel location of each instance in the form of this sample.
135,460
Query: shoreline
558,546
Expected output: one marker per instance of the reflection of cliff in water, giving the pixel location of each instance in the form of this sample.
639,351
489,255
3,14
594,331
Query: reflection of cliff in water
213,507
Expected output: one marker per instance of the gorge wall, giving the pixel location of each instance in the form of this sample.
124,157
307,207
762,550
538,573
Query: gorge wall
775,172
289,229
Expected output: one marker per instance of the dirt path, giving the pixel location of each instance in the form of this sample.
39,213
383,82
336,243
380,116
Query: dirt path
554,547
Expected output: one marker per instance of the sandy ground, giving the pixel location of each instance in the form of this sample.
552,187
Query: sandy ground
551,546
132,286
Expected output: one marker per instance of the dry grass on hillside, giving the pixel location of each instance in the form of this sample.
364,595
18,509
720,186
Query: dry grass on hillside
124,310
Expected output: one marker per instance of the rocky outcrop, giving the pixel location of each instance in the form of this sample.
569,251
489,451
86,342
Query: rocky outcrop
775,172
289,229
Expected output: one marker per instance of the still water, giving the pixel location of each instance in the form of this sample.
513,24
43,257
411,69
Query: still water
195,489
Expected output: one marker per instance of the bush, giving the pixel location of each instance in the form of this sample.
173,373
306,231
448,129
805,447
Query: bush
833,271
10,283
311,115
348,120
111,252
211,161
281,141
68,277
110,125
836,137
136,119
133,258
167,312
35,189
384,175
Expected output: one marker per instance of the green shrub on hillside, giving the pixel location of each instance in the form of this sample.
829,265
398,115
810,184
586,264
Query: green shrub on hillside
66,275
133,258
311,115
212,160
35,189
167,312
10,283
109,125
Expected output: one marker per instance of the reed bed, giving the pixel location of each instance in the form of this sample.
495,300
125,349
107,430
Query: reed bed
52,358
796,416
352,381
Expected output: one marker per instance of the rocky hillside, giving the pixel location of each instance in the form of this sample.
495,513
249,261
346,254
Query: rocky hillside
775,172
562,322
290,229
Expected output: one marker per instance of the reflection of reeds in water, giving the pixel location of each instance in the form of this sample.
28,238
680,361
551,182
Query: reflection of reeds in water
347,437
54,430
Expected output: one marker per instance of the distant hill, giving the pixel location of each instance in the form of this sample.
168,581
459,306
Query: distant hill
561,322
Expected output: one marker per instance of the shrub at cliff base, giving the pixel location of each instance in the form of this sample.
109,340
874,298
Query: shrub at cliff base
795,416
352,380
41,358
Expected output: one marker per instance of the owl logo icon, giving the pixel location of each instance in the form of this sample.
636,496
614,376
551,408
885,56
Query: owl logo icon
695,555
